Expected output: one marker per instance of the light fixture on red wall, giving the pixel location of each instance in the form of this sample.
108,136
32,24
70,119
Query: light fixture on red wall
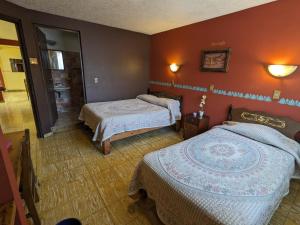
174,67
282,70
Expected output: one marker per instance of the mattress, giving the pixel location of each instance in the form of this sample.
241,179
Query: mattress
231,175
109,118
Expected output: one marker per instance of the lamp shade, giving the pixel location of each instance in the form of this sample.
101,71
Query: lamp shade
281,70
174,67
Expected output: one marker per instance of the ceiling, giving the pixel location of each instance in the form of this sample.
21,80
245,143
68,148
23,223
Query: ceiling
145,16
8,30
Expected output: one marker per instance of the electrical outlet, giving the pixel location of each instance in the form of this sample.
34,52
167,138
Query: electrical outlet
276,94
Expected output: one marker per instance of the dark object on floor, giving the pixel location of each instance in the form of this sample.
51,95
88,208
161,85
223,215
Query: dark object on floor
70,221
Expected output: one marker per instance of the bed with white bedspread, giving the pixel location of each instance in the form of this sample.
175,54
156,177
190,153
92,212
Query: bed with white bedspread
146,111
231,175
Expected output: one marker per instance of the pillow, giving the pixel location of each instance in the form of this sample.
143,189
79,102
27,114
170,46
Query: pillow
231,123
171,104
285,125
147,98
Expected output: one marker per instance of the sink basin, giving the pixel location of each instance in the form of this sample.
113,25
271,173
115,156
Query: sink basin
62,88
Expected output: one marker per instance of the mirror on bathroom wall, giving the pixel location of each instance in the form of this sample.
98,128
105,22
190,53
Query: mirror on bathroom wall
56,61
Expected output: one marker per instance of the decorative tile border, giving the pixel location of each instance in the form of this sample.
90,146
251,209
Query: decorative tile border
166,84
289,102
180,86
255,97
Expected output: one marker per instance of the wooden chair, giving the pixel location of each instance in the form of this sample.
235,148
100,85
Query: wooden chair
29,180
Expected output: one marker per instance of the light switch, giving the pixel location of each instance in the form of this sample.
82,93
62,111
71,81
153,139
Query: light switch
211,87
96,80
33,61
276,94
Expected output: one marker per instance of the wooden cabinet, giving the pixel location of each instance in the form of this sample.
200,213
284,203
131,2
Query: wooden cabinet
193,126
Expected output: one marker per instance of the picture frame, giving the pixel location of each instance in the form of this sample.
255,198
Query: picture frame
215,60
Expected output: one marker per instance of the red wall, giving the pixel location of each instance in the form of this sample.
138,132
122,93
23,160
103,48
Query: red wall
268,34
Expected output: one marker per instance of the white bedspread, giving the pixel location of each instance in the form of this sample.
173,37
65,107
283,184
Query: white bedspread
109,118
230,175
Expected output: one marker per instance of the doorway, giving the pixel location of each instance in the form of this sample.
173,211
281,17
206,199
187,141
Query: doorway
16,112
60,51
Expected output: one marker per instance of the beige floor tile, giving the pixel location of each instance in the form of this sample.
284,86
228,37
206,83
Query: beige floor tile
87,205
101,217
125,171
53,216
121,213
291,222
113,192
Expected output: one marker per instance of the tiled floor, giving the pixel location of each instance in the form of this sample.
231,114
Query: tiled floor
76,180
16,113
66,121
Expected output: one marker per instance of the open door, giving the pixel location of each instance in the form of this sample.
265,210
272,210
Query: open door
42,43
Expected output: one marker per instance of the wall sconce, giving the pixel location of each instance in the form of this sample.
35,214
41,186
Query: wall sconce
281,70
174,67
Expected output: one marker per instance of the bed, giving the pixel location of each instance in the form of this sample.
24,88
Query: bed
234,174
115,120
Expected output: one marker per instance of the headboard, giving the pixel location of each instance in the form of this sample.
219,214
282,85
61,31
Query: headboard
284,125
162,94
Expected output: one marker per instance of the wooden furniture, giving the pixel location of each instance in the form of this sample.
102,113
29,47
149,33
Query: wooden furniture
283,124
29,180
11,205
14,172
193,126
106,145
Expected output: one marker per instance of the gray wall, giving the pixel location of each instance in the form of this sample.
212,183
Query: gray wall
119,58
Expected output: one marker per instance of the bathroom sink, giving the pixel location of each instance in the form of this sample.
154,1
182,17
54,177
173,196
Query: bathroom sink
62,88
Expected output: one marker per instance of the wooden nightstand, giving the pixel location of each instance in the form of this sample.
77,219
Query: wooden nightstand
193,126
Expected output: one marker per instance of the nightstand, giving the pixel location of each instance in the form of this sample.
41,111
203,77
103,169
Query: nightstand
193,126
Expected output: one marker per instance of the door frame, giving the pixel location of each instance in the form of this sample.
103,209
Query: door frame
36,25
28,73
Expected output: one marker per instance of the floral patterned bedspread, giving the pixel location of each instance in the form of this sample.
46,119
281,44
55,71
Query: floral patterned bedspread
233,175
109,118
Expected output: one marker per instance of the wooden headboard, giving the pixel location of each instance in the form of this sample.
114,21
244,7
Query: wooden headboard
162,94
284,125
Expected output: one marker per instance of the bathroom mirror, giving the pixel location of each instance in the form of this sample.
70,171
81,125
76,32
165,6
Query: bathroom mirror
56,61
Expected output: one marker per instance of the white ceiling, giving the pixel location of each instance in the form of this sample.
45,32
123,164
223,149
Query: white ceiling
145,16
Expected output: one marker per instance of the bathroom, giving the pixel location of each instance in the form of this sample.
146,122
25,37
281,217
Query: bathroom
64,72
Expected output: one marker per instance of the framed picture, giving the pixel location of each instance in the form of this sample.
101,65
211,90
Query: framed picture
215,60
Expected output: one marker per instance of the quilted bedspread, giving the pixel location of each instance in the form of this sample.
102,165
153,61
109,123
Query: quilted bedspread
109,118
233,175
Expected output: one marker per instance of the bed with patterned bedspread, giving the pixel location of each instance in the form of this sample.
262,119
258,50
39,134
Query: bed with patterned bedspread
146,111
232,174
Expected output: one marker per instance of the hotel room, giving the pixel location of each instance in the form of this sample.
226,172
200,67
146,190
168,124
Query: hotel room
149,112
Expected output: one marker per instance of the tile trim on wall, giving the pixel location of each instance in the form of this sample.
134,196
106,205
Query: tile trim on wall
289,102
180,86
235,94
250,96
